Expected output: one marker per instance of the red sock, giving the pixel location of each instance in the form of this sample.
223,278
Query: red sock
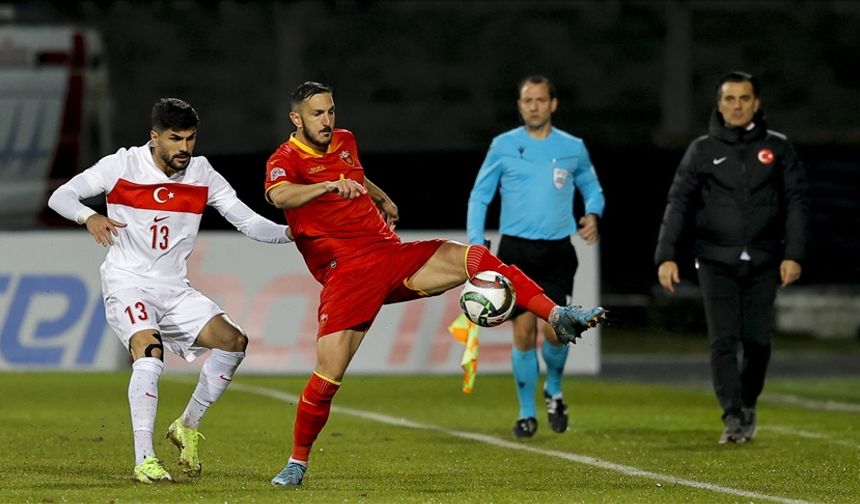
314,408
529,294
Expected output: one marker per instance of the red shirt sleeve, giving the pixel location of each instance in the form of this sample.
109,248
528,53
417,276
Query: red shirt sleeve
279,170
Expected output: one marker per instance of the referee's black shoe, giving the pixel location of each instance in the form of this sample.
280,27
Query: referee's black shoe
556,412
525,427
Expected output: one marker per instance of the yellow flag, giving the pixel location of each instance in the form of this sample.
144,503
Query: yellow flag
466,332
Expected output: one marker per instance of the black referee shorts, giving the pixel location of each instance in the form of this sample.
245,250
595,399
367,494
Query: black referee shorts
550,263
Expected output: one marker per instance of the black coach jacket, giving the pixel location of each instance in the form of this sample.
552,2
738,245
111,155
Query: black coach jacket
747,189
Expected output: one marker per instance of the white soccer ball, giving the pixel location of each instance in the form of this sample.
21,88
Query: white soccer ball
488,298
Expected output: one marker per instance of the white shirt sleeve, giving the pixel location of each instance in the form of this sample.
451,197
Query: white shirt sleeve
223,197
254,225
66,199
95,180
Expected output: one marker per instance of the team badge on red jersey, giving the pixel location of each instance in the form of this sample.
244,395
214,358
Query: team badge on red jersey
765,156
277,172
346,157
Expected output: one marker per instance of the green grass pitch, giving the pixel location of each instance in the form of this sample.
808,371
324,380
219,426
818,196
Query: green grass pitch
66,437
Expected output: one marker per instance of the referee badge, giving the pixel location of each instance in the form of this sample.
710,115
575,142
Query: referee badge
559,176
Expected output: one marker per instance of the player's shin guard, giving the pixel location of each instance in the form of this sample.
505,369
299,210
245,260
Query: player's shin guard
215,375
312,414
529,294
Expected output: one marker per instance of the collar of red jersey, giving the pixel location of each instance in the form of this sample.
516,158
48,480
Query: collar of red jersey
298,143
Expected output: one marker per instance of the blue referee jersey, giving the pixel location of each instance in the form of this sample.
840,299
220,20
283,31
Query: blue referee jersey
537,180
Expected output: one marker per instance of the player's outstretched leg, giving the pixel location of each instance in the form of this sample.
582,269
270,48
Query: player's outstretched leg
188,441
569,322
151,470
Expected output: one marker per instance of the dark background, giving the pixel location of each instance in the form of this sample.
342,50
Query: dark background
426,85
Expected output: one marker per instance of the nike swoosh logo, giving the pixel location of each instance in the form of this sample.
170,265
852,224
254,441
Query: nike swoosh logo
308,402
159,219
147,394
719,160
225,378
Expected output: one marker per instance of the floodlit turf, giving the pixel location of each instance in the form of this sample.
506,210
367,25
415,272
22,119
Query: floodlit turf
66,438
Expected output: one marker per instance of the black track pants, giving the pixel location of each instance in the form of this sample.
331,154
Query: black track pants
739,308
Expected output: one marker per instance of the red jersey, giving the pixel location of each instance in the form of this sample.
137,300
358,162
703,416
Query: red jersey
328,229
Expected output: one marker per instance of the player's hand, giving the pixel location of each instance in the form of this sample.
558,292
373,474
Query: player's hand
668,275
346,188
789,272
389,212
103,229
588,229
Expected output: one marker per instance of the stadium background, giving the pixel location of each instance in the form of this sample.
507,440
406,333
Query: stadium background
426,85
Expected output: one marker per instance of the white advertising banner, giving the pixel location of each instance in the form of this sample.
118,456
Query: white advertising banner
51,312
51,308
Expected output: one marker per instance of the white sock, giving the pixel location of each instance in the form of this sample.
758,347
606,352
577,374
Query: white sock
215,374
299,462
143,401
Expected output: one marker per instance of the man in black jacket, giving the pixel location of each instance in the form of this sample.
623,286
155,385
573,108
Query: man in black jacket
747,189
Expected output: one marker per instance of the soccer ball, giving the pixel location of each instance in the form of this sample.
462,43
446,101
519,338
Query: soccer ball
488,298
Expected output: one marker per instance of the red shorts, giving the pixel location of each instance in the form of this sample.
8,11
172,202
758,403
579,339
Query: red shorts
353,293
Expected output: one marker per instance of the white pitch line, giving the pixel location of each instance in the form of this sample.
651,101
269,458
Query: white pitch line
502,443
809,435
812,403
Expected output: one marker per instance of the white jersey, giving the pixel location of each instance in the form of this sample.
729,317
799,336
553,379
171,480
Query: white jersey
162,215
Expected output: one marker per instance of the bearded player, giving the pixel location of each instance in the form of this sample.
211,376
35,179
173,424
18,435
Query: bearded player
343,225
156,194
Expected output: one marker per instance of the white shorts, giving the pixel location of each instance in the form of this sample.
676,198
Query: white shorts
179,314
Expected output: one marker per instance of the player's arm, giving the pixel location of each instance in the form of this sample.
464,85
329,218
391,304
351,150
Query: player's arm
223,197
385,204
66,201
255,226
286,195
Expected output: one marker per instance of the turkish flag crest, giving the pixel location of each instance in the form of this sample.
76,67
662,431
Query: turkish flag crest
765,156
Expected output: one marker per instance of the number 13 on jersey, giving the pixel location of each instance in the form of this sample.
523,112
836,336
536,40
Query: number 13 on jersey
160,236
